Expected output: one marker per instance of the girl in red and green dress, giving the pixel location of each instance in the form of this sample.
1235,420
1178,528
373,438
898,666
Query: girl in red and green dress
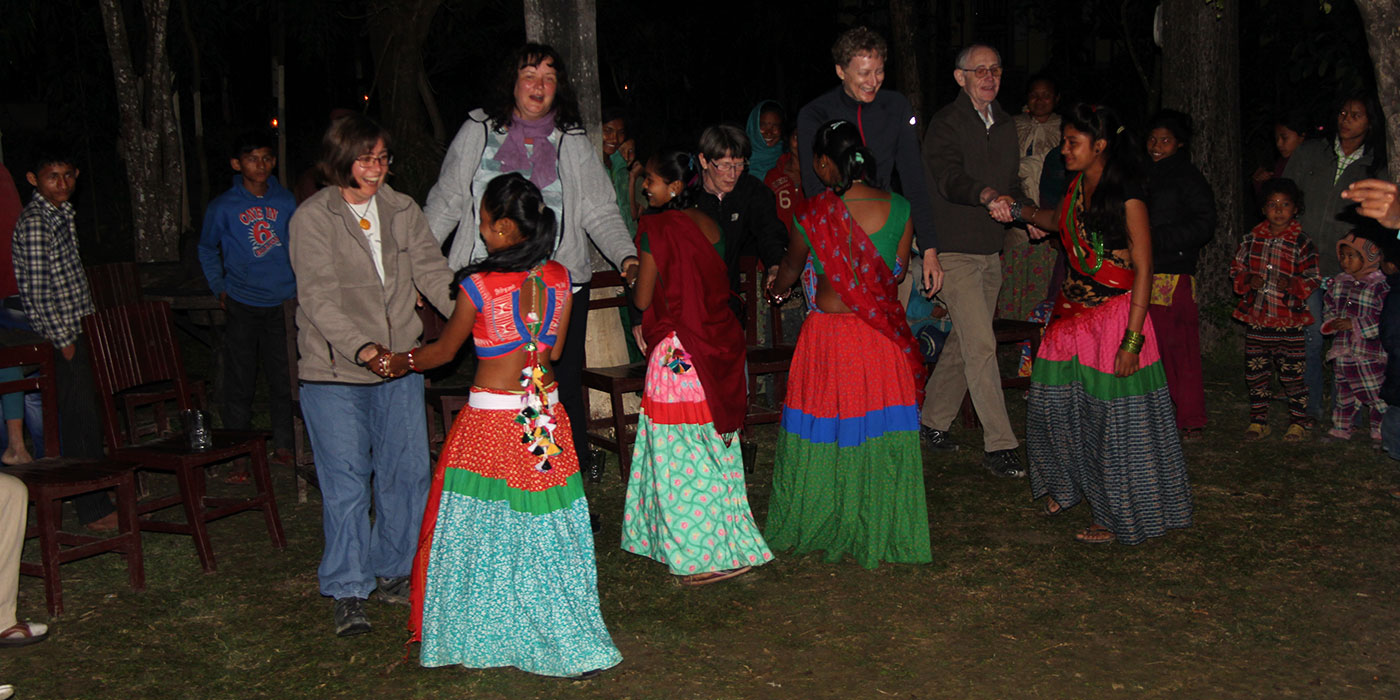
849,473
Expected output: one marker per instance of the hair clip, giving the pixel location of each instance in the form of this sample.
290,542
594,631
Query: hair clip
1119,130
837,123
858,157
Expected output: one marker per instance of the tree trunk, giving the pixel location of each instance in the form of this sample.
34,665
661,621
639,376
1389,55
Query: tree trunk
196,104
1201,77
906,52
1382,24
398,29
149,142
570,26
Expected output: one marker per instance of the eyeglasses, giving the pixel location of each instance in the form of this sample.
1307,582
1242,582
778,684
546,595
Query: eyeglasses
983,71
731,168
369,160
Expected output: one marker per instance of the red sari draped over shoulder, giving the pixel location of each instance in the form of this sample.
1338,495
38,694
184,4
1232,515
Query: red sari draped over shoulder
853,267
692,299
1082,257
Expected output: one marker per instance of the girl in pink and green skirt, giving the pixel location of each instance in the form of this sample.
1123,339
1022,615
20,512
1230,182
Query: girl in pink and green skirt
1100,425
687,504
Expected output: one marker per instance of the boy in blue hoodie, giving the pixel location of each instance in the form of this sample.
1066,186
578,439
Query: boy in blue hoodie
243,250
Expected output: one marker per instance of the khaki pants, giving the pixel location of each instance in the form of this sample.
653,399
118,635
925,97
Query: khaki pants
14,504
968,363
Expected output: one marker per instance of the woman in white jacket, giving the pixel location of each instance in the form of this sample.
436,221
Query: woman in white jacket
532,126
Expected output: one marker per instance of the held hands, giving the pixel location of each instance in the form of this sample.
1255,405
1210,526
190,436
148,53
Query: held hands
1256,281
1000,209
383,362
1377,199
630,267
1035,232
1341,324
770,281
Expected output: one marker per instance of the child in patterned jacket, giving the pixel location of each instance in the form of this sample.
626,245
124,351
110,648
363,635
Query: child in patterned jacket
1352,310
1275,269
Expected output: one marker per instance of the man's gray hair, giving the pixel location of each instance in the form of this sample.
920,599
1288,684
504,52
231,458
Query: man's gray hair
966,53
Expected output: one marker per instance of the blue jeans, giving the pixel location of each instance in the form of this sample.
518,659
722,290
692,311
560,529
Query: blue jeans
1315,374
368,436
1390,432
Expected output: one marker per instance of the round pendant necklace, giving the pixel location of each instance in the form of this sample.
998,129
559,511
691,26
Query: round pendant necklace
364,223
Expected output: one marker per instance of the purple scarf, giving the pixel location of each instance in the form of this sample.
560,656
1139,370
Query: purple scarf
513,156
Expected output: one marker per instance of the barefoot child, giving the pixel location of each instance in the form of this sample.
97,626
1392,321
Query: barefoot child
505,572
1352,310
1275,269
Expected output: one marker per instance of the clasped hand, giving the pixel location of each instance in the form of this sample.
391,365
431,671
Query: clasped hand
386,363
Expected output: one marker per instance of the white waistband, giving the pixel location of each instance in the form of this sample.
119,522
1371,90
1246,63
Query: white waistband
491,401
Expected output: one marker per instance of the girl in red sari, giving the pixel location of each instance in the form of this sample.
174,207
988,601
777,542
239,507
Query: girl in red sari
849,473
687,505
1099,421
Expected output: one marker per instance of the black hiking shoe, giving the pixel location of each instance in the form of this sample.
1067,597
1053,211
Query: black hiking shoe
937,440
394,591
1004,463
350,617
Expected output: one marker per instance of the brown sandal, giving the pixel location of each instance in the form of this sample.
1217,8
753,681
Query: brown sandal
1095,534
23,634
1051,508
711,576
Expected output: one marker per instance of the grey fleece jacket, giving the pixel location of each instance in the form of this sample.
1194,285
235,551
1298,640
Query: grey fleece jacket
590,203
342,305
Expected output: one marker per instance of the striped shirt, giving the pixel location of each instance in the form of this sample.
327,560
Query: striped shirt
52,283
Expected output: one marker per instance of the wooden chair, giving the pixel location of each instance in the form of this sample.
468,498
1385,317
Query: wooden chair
1006,331
441,402
303,463
118,284
113,285
771,358
53,479
616,432
132,346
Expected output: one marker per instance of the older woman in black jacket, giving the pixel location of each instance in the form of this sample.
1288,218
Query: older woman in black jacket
1181,209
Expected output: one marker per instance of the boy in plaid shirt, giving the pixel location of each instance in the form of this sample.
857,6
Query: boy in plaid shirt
1275,269
1352,311
54,290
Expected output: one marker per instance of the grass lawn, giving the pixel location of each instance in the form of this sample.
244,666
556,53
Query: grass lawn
1285,587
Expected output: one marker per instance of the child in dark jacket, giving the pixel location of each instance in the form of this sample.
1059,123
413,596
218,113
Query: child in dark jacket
1275,269
1352,311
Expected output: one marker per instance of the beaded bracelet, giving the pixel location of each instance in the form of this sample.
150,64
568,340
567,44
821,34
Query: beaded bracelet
411,367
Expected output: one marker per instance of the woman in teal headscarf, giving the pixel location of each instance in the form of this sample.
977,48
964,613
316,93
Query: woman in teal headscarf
765,131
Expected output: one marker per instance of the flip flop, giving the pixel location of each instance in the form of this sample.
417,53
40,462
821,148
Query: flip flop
24,634
712,576
1051,508
1095,534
